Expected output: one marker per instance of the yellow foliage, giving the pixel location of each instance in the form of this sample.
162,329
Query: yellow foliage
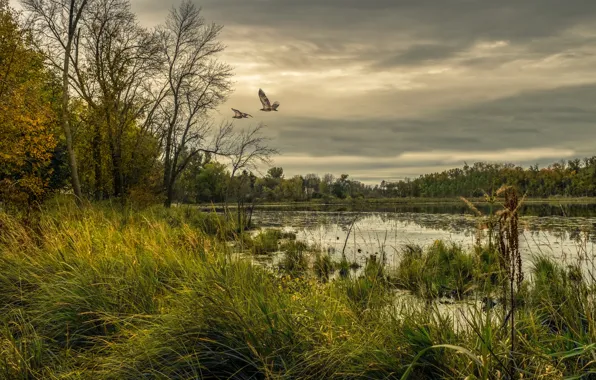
27,119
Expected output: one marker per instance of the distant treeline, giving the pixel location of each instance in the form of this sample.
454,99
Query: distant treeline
576,178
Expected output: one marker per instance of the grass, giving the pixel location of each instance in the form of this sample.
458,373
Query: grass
446,270
102,293
294,261
265,242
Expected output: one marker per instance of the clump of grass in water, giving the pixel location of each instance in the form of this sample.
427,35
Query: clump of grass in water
441,270
294,261
266,241
563,299
322,266
343,266
370,292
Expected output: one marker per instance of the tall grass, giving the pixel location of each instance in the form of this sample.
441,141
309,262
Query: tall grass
104,293
446,270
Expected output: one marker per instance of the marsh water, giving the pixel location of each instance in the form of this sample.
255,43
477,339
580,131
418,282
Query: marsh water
566,232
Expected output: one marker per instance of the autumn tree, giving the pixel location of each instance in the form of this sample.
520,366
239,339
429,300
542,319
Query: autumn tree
27,117
114,70
56,23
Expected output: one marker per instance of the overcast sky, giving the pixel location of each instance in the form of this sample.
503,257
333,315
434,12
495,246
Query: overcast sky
394,88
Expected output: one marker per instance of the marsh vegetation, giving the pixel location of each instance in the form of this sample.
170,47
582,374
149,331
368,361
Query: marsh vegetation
112,293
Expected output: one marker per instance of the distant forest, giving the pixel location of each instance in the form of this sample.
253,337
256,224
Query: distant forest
573,178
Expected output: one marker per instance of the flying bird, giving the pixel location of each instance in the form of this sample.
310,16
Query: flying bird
267,107
239,115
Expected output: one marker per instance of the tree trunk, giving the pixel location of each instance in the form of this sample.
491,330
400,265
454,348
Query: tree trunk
240,210
168,171
97,163
170,189
169,194
72,160
117,174
114,143
249,222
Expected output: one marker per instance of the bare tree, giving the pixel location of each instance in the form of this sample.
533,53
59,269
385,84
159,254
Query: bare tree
114,66
197,83
249,149
57,23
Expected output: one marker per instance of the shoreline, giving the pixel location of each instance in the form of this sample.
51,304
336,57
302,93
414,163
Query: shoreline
404,201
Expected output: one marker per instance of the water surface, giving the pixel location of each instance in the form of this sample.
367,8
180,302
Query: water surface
564,232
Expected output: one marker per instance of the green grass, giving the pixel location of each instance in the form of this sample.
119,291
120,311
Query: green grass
322,266
102,293
266,241
294,261
446,270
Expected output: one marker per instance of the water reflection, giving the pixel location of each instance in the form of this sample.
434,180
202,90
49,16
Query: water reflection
385,233
585,210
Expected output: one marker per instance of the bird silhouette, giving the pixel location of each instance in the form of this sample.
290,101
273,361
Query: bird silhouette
267,107
239,115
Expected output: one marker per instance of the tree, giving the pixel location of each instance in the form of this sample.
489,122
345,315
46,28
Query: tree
293,189
187,186
275,173
326,184
341,187
57,23
115,63
27,116
197,83
243,188
212,182
311,182
248,149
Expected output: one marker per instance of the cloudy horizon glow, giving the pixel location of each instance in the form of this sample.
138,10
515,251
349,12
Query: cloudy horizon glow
391,89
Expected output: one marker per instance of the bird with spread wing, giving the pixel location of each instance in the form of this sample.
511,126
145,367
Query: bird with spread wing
267,107
239,115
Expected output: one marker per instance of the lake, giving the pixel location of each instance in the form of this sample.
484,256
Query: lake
565,232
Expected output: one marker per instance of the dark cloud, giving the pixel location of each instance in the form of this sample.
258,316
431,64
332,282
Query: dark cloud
564,117
422,53
391,33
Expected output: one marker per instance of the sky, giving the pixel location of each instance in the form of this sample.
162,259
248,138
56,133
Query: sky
388,89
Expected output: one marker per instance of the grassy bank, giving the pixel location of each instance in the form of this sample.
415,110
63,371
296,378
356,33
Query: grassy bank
109,294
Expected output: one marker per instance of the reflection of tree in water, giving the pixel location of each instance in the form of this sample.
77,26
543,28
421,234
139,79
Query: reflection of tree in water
578,229
585,210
